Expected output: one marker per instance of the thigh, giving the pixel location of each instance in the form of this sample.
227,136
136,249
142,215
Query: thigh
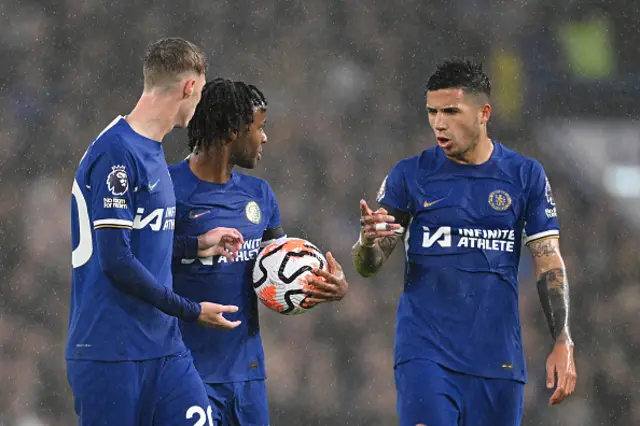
106,393
493,402
182,398
221,401
427,394
250,406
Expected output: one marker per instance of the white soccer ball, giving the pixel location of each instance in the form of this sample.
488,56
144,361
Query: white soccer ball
282,270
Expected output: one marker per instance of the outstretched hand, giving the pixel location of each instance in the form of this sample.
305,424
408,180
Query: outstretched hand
225,242
211,315
376,224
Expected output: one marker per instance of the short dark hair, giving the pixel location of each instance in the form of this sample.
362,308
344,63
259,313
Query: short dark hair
462,74
226,106
167,58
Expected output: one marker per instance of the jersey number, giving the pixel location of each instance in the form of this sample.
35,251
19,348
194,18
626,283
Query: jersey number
204,419
82,253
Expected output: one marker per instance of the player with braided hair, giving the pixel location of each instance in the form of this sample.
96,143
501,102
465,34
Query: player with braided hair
227,130
228,106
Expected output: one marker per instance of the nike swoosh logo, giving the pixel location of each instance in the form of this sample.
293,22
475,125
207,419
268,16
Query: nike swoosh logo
429,204
151,186
197,214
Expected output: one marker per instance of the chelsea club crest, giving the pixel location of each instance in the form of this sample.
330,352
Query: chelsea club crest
500,200
253,212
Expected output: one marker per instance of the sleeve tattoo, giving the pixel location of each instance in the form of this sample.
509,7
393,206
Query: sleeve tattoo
553,290
369,259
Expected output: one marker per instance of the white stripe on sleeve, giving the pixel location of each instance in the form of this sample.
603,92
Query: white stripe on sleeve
114,222
543,234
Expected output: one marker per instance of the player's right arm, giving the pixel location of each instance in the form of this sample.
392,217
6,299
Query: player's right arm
380,231
113,223
378,237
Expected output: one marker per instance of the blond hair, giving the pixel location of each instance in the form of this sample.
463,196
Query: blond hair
167,59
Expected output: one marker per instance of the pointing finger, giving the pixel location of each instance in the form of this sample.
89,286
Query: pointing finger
364,209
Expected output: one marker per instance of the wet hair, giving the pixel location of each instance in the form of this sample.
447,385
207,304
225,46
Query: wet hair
460,74
226,107
167,59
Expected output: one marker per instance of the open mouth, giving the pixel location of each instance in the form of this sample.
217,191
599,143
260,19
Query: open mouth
444,143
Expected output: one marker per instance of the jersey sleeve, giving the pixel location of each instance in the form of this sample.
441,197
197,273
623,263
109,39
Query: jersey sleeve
113,180
274,230
274,219
130,276
185,247
393,191
541,218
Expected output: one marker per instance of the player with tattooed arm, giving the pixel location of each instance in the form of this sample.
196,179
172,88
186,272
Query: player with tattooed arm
462,209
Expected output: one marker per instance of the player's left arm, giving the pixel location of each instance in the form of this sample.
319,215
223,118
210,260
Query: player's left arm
553,290
326,286
542,229
553,287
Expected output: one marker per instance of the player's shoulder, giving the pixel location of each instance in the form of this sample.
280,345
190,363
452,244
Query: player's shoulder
253,183
112,134
425,161
112,140
512,159
179,170
184,181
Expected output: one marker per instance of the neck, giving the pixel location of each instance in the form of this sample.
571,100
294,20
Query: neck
479,154
213,165
154,115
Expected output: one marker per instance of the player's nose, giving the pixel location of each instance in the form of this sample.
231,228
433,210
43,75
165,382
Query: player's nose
264,138
440,122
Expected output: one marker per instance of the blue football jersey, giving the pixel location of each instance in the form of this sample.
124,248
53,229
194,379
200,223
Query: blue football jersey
122,182
247,204
459,306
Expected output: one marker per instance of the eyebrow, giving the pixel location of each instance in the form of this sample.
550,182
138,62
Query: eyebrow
452,106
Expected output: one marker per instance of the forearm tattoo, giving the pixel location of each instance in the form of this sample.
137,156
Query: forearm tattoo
543,248
554,296
369,259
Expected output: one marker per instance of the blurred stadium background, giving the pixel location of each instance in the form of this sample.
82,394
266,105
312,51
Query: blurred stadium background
345,85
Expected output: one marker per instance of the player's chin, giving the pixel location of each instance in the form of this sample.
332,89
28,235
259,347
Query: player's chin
452,150
249,163
449,147
255,160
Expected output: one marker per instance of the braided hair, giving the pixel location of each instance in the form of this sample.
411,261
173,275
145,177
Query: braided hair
226,107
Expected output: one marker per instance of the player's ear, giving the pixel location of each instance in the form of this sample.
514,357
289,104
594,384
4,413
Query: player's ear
232,136
485,113
188,88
